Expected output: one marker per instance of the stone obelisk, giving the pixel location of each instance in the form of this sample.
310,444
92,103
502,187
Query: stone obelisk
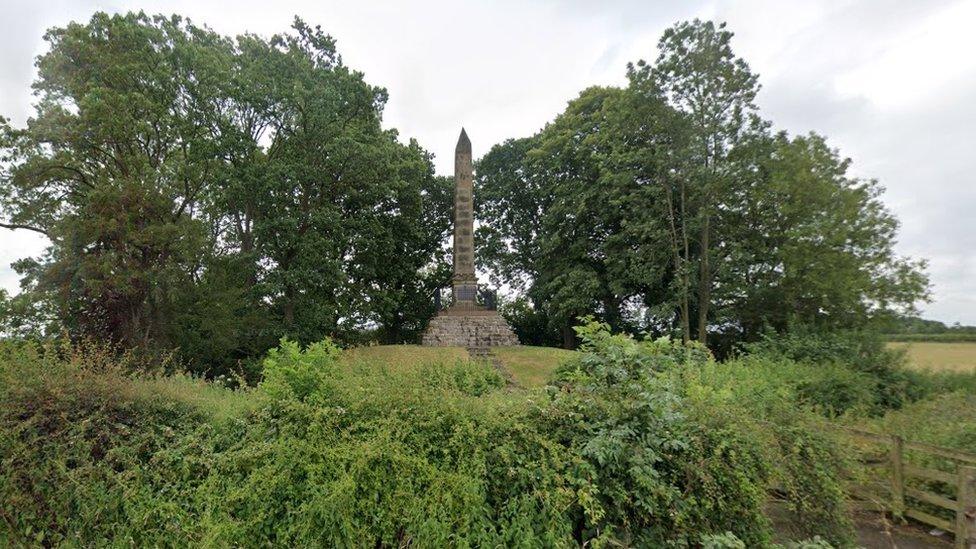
465,282
465,323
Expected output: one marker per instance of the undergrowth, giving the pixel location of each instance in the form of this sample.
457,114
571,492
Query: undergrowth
633,443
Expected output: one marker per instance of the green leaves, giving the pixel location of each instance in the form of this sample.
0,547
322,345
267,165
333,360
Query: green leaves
192,183
669,207
291,372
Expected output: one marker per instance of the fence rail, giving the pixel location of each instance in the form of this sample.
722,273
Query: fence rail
904,497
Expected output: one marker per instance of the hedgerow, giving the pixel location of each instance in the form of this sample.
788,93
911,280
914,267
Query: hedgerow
633,443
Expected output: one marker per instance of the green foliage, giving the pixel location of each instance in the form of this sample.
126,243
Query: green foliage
728,540
836,389
470,378
211,194
913,326
291,372
939,337
532,326
635,444
947,419
660,434
862,368
664,208
815,542
759,397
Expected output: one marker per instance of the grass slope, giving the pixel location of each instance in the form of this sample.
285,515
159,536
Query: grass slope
532,366
529,366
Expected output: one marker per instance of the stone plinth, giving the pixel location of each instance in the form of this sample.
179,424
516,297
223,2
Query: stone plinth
468,327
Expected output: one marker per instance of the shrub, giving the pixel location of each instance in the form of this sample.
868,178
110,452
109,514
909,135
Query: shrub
634,444
835,389
944,420
861,351
290,372
675,458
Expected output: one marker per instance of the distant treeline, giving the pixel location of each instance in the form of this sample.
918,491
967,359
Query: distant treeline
913,328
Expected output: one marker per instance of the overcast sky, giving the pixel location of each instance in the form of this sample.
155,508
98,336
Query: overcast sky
892,84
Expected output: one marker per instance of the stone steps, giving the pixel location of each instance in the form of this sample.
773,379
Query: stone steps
485,353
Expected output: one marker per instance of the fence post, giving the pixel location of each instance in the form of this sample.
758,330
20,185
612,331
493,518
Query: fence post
966,508
897,476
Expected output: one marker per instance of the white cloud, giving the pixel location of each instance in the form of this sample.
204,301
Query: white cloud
890,82
915,65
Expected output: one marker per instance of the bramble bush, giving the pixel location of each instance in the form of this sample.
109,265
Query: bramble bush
635,442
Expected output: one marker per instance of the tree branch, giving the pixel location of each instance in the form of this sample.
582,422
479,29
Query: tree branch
15,226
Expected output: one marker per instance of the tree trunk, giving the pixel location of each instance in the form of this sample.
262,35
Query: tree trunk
288,312
612,314
704,285
685,283
569,336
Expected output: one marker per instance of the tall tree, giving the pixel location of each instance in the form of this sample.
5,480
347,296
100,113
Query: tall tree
112,168
824,255
576,210
670,200
699,74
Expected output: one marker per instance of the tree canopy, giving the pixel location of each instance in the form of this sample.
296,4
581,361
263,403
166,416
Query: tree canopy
670,206
213,194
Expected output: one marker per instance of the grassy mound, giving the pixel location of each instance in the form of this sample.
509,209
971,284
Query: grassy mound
529,366
401,357
532,366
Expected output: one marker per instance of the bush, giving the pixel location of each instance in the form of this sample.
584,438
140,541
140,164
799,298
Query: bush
676,457
835,389
864,352
291,373
634,444
947,420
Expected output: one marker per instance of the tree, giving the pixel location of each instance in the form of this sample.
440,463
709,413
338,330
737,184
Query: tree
824,255
111,168
511,201
670,199
698,73
213,194
579,214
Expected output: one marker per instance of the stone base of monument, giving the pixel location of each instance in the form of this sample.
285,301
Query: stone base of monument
468,327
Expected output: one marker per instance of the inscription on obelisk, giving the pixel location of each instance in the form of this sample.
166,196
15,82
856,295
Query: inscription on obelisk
465,283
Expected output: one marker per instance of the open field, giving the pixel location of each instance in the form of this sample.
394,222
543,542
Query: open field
937,356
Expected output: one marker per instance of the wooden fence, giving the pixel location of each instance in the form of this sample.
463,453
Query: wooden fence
905,483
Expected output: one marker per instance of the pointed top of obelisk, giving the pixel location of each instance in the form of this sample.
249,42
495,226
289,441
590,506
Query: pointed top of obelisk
463,144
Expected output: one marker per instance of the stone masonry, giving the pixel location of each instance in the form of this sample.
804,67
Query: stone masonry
470,329
465,323
465,282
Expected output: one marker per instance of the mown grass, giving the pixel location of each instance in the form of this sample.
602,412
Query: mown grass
939,356
532,366
404,358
